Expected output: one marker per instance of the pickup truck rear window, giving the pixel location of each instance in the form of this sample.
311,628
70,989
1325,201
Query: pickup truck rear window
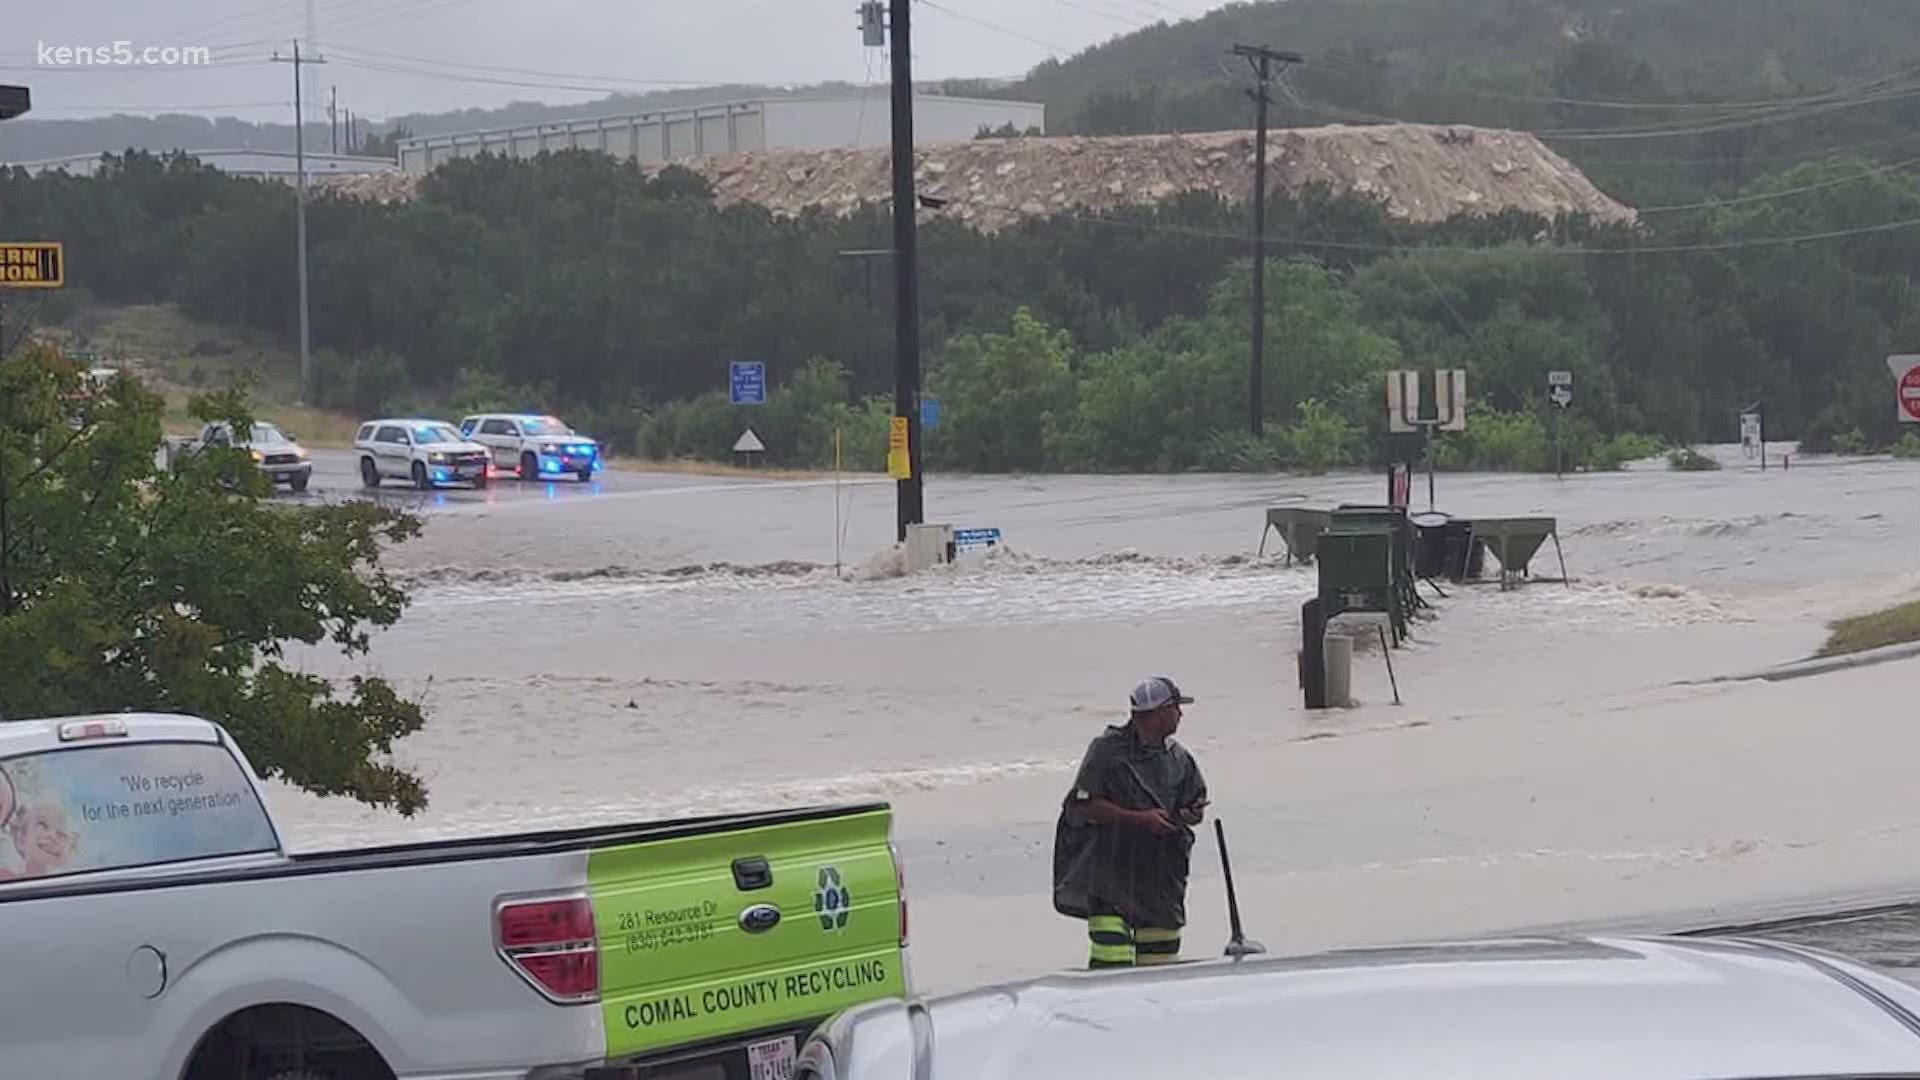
114,807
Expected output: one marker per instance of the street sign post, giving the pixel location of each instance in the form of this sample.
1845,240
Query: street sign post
1407,412
965,540
1752,437
899,465
747,382
32,264
15,101
748,447
1906,375
1560,393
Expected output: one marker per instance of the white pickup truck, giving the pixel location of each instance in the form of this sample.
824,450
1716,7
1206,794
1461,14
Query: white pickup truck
155,929
276,453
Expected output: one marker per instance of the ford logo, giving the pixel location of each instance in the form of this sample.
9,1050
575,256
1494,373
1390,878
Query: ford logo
759,918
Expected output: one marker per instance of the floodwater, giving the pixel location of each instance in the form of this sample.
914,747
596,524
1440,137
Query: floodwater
671,645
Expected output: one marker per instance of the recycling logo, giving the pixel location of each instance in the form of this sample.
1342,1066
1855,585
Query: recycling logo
831,900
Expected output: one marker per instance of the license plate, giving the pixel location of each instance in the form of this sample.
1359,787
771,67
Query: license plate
772,1059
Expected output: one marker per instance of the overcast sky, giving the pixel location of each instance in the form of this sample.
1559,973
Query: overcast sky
389,57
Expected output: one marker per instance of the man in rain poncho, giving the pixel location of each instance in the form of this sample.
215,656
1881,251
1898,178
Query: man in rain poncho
1125,836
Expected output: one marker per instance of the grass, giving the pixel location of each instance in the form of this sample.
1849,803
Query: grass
176,357
1894,626
696,467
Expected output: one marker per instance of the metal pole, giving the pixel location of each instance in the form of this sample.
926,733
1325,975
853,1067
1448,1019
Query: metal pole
300,212
1261,58
6,537
1556,440
1430,499
909,502
1256,374
300,217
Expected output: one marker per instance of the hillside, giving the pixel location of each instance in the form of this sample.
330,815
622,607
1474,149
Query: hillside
1422,174
1659,101
1699,50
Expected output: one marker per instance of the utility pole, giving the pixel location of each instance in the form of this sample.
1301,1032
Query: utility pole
909,499
14,101
1261,59
300,213
333,119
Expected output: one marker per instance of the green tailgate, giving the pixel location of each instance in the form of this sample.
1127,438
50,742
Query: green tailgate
677,964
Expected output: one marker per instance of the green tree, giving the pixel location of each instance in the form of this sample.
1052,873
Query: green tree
1011,396
123,586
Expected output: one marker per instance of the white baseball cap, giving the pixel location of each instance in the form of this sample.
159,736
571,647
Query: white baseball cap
1155,693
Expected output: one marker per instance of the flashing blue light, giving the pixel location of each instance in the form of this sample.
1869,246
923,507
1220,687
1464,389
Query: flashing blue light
549,465
442,475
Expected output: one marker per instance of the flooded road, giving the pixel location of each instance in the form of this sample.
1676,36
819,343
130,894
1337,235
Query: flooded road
652,645
695,634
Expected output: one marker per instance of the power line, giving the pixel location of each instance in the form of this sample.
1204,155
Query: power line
39,71
383,56
153,108
1676,129
405,9
1711,106
1800,155
1768,196
996,27
447,76
1076,5
1557,250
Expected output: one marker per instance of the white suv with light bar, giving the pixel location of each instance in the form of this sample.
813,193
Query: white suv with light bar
427,452
535,447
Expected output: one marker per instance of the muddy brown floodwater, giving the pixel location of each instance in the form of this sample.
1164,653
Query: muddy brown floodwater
667,645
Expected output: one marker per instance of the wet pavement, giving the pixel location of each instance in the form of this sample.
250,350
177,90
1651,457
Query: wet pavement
1887,937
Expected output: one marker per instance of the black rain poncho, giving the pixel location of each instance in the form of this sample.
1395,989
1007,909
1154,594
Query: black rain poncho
1118,869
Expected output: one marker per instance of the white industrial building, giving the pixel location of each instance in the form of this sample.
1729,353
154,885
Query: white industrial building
261,164
801,123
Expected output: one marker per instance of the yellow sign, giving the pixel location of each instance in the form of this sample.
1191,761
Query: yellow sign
899,464
32,265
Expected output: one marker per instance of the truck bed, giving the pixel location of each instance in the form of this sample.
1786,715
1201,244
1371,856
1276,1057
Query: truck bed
463,849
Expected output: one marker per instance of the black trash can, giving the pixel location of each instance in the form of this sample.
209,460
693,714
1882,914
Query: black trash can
1429,544
1463,556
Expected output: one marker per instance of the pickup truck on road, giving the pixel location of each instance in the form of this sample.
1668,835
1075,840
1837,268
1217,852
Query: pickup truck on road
274,451
155,927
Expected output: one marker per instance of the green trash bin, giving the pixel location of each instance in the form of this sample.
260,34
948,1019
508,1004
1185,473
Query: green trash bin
1357,575
1396,519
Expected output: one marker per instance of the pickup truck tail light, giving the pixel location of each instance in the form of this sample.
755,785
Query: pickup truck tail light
552,943
900,881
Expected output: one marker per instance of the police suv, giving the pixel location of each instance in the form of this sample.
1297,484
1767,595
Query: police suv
533,446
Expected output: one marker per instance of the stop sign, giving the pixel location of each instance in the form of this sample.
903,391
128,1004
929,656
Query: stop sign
1910,395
